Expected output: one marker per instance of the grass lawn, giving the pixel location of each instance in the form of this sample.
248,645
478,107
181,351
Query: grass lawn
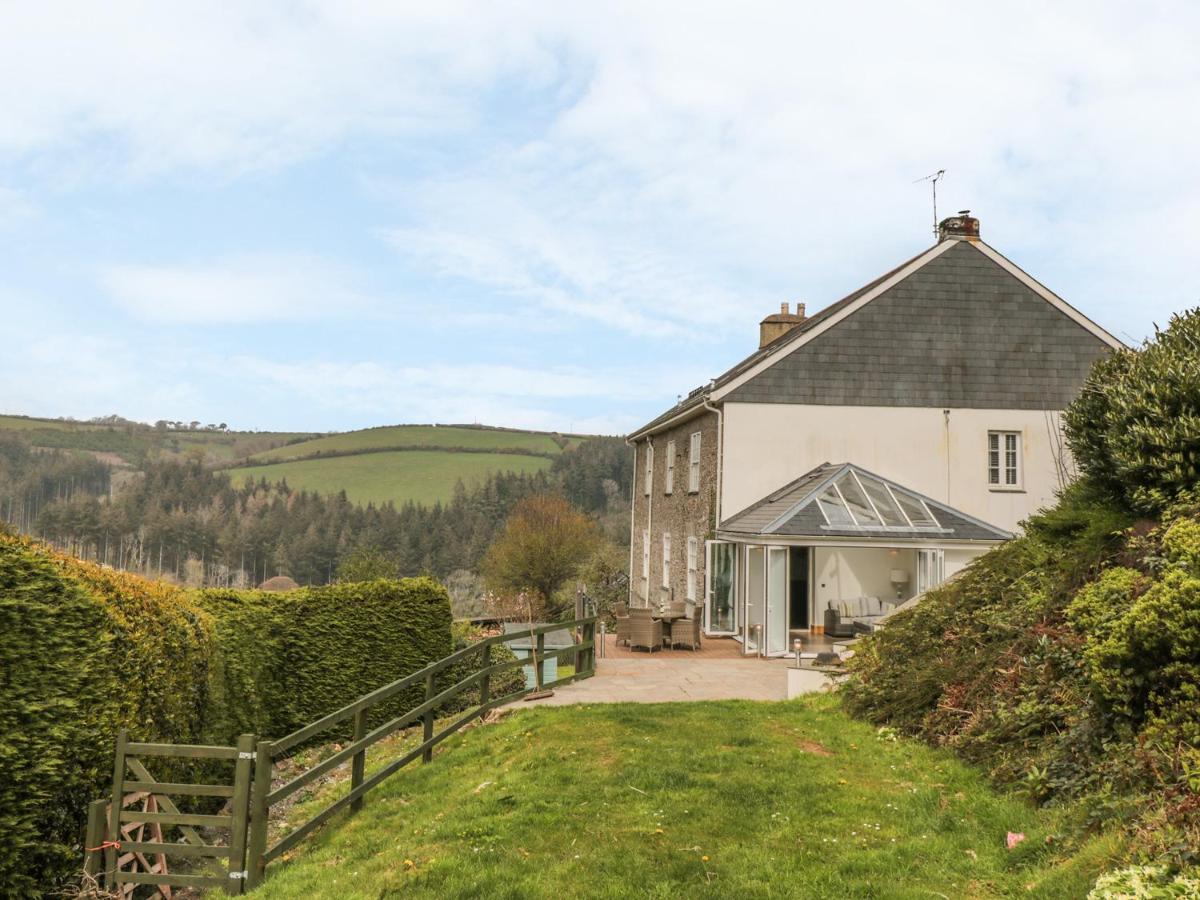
423,476
731,799
414,436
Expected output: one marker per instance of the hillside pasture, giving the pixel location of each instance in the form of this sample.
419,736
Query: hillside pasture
423,476
407,436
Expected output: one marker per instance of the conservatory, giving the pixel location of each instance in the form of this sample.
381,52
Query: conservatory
840,539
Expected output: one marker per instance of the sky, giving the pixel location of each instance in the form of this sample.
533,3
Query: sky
325,216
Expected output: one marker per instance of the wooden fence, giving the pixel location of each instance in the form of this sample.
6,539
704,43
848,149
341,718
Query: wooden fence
251,794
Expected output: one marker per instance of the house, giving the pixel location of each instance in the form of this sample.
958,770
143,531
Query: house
864,453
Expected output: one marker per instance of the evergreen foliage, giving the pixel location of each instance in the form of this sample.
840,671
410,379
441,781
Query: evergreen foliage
86,651
1135,428
284,660
183,521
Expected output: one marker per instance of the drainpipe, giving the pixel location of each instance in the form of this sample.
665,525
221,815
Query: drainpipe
649,516
632,523
946,416
720,450
720,476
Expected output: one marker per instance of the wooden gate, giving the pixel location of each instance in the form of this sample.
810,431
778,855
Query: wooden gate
130,837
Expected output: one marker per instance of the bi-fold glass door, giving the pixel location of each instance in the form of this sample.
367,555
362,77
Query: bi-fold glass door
764,628
721,594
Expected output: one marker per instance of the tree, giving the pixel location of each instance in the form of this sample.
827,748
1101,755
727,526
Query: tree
366,564
542,545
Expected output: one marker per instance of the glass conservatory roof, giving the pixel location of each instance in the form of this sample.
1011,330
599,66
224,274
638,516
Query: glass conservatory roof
845,499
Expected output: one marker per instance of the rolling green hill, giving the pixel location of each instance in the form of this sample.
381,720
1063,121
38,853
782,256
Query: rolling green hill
393,463
422,476
394,437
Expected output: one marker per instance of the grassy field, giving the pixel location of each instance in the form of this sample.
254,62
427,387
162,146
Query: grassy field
423,476
415,436
687,800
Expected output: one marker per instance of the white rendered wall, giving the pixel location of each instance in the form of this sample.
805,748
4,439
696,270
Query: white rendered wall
847,573
766,445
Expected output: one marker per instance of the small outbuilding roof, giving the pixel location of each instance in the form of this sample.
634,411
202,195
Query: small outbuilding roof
555,640
845,500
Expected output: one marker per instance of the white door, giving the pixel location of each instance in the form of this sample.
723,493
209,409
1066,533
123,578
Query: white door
720,573
931,569
777,599
756,583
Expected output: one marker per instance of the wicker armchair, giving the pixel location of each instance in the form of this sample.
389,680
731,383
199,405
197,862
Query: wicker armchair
686,631
621,614
644,630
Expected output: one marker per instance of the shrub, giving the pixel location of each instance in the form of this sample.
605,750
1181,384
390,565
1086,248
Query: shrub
84,652
1136,426
284,660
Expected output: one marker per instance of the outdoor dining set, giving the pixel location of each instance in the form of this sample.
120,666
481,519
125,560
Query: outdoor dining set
652,629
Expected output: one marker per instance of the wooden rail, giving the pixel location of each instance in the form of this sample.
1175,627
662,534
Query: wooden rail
251,795
264,797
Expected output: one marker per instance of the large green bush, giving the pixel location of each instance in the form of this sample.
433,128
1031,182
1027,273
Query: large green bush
84,651
1135,427
286,659
1067,662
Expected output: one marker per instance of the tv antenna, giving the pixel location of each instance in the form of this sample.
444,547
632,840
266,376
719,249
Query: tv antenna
933,180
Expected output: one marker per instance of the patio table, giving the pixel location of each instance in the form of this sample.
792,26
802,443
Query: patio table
667,618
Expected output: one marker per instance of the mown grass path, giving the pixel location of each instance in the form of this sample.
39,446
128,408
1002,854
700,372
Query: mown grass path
728,799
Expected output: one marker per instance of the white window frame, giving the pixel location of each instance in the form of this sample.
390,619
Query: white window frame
648,475
694,463
645,560
1004,461
693,563
666,547
669,488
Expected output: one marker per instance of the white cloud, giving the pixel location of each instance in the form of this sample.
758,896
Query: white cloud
492,394
250,289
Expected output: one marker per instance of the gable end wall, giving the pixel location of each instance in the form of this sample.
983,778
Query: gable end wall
961,332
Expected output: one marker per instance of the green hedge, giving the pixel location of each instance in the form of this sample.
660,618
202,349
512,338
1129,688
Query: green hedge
284,660
84,651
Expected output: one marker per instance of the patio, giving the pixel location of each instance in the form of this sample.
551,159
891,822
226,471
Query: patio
711,648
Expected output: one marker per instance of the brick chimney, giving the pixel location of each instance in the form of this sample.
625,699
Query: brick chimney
779,323
963,227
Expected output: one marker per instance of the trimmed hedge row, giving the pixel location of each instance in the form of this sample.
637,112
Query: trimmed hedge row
83,652
86,651
284,660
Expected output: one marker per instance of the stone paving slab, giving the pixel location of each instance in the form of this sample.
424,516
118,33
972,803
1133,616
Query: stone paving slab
680,680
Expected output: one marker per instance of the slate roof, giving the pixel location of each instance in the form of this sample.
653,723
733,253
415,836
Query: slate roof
957,331
793,511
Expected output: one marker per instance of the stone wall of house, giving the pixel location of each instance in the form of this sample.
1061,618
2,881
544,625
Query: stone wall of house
681,513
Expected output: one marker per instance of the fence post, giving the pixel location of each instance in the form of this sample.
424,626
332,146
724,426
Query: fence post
539,663
93,837
259,813
485,683
358,767
427,756
589,655
114,815
242,772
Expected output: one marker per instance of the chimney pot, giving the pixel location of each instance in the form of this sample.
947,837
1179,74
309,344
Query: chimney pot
963,227
779,323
